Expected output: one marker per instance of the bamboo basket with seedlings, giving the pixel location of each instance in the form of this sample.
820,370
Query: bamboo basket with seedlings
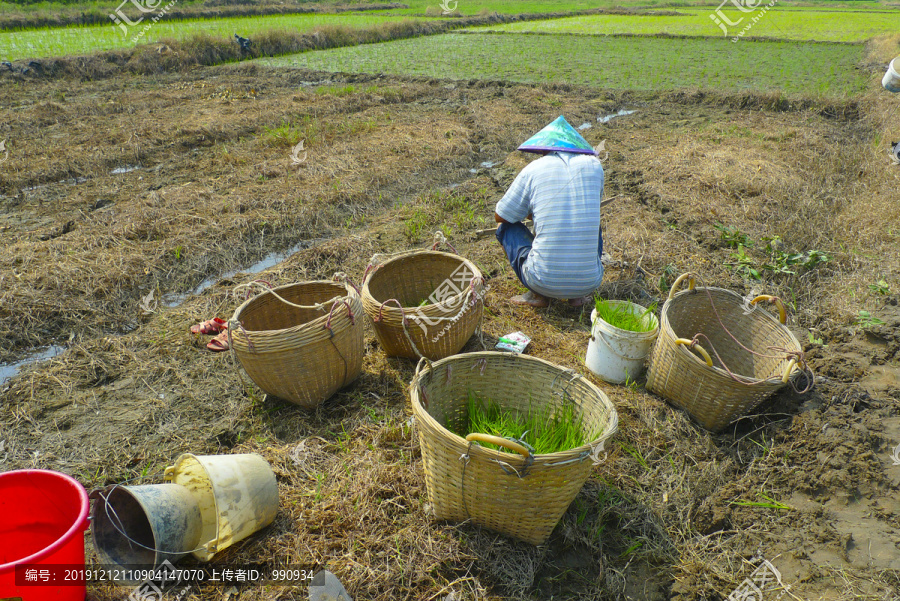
543,430
622,333
719,356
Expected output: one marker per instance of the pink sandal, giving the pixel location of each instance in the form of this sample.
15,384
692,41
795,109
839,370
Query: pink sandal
210,326
219,343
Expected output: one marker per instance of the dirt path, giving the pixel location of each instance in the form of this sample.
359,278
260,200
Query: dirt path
675,513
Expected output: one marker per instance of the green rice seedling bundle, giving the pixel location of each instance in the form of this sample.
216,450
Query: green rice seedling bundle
620,315
543,431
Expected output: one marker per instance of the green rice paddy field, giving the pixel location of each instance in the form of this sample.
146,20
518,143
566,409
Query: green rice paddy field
467,7
63,41
847,26
780,22
809,69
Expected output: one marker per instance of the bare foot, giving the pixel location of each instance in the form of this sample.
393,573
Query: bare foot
530,299
579,302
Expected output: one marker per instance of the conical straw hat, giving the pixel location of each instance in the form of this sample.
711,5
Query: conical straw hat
558,136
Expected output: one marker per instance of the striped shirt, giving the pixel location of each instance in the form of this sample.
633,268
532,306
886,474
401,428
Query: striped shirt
562,191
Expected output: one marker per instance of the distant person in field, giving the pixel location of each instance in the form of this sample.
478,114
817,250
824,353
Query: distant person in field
561,192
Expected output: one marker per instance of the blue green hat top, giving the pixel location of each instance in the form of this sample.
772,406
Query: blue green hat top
559,136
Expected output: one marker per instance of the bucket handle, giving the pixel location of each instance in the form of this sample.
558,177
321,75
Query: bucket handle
501,442
97,495
782,313
684,276
693,345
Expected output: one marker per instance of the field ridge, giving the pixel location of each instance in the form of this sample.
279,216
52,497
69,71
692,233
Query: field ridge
203,49
667,36
18,23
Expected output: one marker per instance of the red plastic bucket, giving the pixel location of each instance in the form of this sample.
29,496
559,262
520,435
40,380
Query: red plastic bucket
43,516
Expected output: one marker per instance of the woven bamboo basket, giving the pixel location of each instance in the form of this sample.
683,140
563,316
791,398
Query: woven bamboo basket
301,342
703,386
508,493
453,287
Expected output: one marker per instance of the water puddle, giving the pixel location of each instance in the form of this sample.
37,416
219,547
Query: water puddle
174,299
124,169
9,370
585,125
608,118
71,181
485,165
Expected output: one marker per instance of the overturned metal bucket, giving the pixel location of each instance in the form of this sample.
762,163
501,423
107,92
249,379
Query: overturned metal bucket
137,528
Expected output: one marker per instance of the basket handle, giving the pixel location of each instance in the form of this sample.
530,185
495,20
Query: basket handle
340,276
440,238
501,442
336,304
787,372
399,306
690,344
691,283
782,314
422,360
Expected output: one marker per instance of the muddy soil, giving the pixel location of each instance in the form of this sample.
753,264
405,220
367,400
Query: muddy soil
118,188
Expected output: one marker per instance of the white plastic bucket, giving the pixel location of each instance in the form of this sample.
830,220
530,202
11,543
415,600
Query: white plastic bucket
237,494
891,81
615,355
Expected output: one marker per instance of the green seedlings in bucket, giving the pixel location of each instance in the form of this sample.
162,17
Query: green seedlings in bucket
619,315
545,431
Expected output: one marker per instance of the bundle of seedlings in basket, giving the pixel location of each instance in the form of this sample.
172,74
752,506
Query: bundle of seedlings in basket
621,315
544,431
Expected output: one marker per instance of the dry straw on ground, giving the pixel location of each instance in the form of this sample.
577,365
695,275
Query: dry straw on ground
669,515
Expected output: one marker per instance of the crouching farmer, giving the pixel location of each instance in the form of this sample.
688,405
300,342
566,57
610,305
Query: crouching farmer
561,192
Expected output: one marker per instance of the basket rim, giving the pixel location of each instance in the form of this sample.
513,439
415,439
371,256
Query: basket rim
367,295
321,320
666,327
577,453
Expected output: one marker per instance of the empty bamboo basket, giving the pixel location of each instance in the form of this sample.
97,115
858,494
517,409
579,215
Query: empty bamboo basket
301,342
758,350
452,288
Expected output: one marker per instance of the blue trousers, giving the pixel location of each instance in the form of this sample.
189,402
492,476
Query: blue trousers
516,240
